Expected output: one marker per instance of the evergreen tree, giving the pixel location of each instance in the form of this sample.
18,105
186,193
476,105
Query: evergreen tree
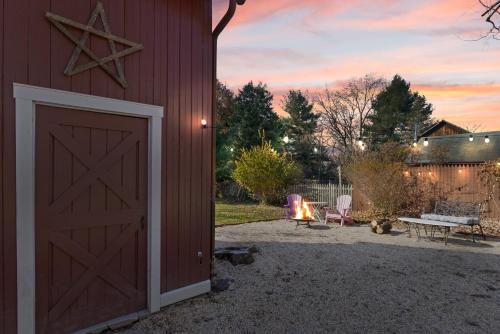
254,115
420,118
398,114
300,130
225,110
302,120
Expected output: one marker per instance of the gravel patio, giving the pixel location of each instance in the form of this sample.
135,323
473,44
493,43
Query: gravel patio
343,280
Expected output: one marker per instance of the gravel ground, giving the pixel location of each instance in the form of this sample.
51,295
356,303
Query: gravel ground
344,280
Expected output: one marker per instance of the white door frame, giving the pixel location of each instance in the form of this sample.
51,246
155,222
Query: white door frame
27,97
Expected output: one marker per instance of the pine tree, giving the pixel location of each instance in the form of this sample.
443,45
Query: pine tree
300,130
225,110
302,120
399,114
254,115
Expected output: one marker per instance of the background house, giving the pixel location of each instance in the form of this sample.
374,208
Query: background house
444,128
453,162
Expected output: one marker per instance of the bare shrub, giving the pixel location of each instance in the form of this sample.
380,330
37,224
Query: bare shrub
383,177
490,178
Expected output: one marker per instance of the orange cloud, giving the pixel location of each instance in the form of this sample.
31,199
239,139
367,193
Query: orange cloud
461,104
458,91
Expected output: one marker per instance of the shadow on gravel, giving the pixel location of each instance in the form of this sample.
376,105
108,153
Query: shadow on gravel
360,287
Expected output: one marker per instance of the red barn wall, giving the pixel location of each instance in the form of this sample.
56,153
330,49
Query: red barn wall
174,70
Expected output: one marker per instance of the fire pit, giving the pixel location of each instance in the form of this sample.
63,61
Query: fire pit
305,221
303,214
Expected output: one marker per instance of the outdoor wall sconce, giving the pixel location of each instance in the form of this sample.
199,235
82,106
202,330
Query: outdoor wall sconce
426,142
487,139
204,123
471,138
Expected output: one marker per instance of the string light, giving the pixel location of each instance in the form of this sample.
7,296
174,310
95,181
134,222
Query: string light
415,144
315,150
471,138
286,139
487,139
426,142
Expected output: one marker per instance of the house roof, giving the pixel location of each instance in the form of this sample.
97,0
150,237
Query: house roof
458,149
429,131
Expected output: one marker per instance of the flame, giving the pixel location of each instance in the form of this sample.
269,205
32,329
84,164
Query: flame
303,211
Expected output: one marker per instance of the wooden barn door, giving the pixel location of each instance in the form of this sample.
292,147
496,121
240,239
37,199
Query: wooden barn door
91,206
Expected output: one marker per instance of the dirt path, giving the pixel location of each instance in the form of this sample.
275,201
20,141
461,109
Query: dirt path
344,280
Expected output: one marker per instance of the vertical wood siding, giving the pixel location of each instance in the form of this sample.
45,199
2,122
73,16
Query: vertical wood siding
464,186
207,140
173,70
3,327
446,130
454,185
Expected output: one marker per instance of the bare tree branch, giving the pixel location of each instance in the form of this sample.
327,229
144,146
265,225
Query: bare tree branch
492,16
344,111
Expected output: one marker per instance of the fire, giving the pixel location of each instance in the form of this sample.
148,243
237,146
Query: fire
303,211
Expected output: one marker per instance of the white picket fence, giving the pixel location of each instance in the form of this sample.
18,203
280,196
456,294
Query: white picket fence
321,192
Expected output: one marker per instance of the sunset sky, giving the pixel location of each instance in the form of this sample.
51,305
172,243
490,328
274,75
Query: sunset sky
308,44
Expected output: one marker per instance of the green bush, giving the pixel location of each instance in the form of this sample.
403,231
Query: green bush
266,173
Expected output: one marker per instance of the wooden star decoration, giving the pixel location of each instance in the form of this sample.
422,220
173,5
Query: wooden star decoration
71,69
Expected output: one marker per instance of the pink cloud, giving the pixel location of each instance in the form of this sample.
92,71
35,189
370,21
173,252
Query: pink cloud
254,11
421,15
458,77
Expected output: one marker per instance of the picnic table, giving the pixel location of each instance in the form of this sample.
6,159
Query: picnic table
434,225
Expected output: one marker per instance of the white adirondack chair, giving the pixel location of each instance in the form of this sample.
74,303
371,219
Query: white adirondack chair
340,213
